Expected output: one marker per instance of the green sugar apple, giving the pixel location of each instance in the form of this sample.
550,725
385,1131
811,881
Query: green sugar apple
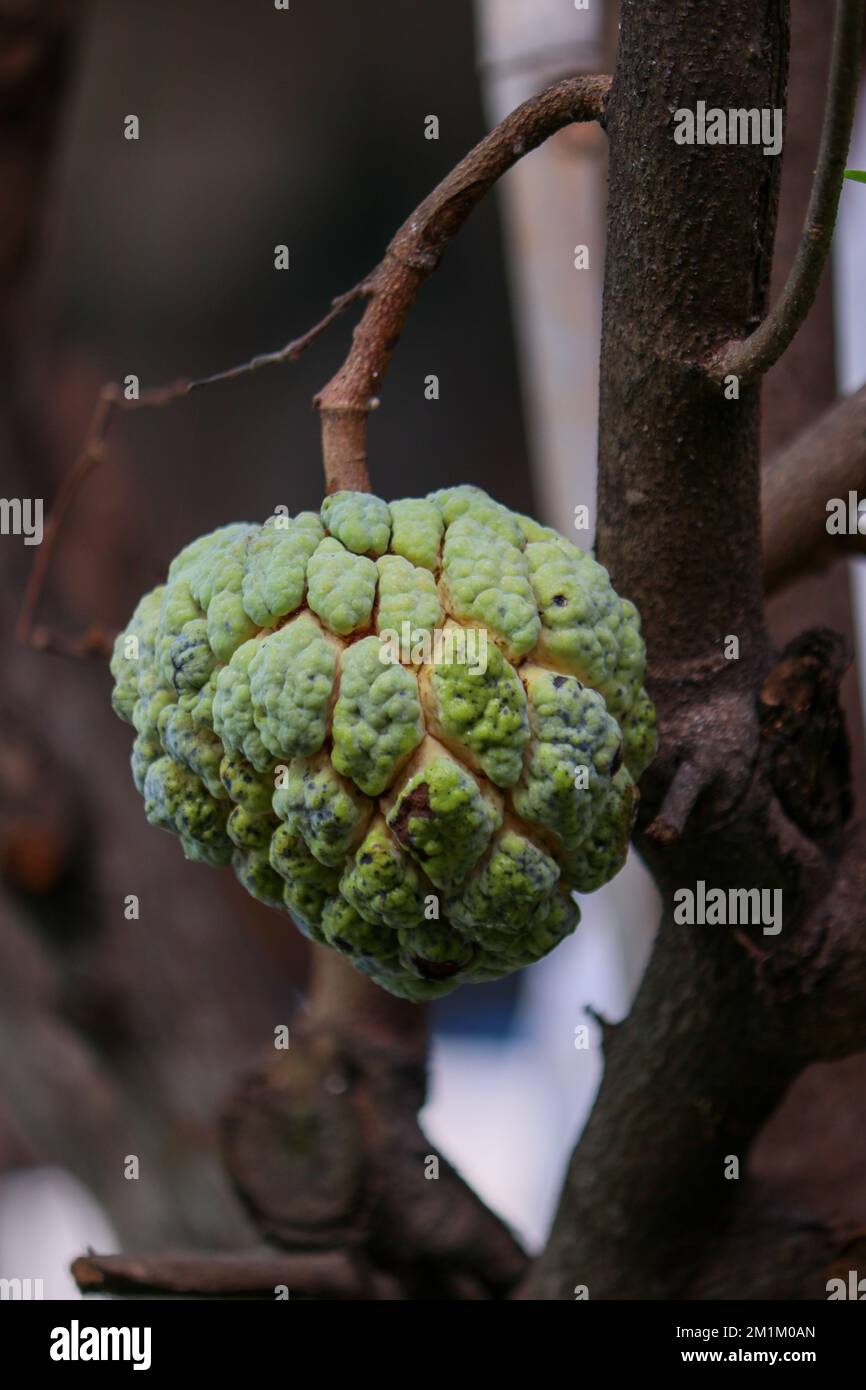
415,726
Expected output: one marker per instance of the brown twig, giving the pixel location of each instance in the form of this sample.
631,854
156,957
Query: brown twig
415,252
749,358
826,460
686,786
255,1273
95,641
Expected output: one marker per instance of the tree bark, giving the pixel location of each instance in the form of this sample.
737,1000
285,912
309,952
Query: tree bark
796,392
711,1044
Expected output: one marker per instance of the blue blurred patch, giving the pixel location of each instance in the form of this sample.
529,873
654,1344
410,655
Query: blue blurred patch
487,1011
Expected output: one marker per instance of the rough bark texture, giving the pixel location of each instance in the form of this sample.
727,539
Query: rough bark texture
805,1167
721,1023
688,260
802,470
752,357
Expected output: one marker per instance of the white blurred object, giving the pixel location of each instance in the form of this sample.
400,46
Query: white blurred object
552,201
46,1219
492,1111
850,282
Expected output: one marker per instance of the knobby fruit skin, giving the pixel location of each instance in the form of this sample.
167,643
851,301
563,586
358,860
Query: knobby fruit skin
431,814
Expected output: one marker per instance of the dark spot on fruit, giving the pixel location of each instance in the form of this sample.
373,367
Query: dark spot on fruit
366,858
416,804
616,762
560,600
558,681
436,969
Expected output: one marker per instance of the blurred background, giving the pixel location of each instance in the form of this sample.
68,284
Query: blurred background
155,256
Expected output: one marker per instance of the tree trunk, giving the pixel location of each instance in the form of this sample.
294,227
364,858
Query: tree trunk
690,236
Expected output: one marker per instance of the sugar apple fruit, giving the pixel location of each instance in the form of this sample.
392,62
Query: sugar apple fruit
416,727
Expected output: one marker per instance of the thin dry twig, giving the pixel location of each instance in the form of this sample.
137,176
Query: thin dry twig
95,641
685,787
753,356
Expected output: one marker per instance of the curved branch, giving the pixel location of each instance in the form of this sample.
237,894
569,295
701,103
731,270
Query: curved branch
753,356
414,253
827,460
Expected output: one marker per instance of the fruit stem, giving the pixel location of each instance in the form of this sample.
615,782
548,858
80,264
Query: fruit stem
415,252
